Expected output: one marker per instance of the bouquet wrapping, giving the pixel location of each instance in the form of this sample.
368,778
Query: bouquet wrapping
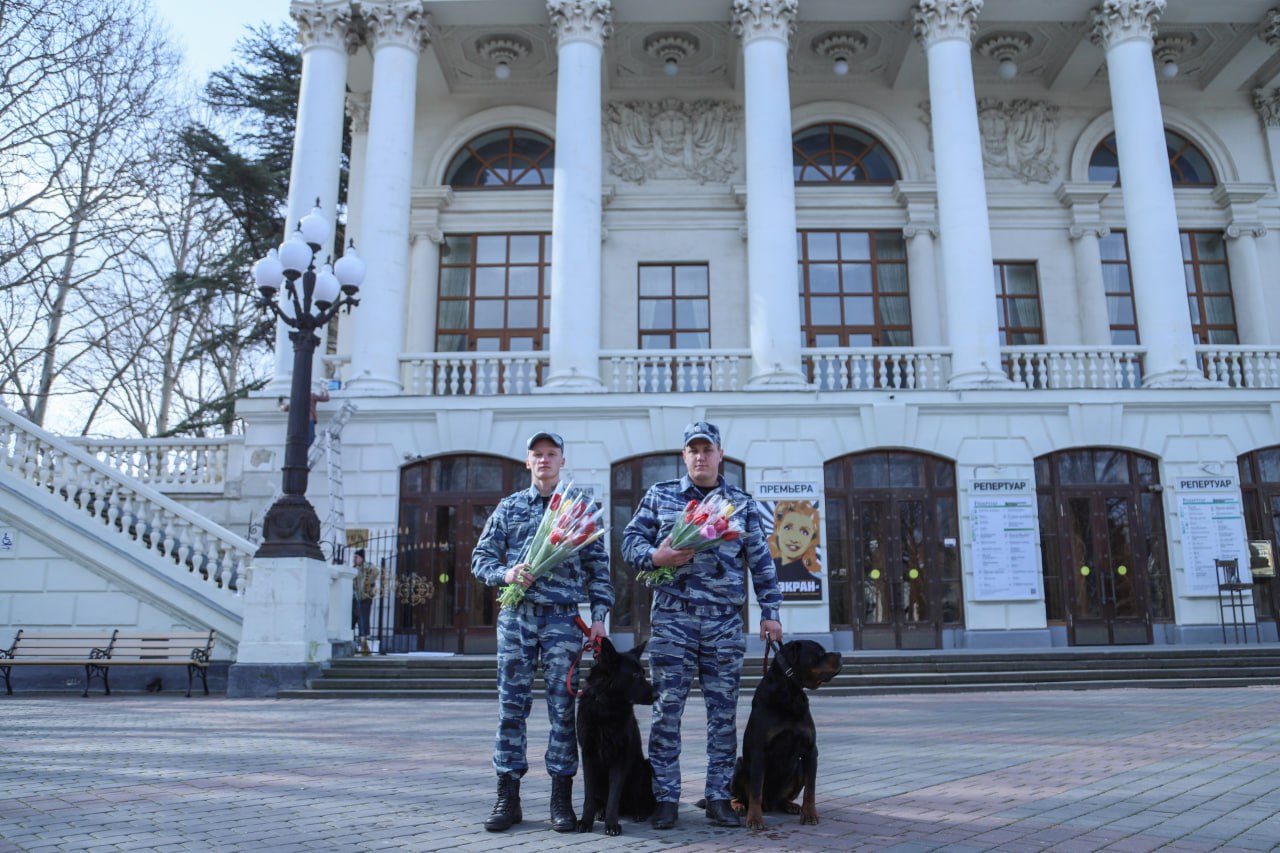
568,525
703,524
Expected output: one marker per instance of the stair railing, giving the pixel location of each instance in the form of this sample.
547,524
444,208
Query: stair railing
126,507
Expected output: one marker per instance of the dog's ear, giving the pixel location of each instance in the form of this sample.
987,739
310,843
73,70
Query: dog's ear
638,650
606,654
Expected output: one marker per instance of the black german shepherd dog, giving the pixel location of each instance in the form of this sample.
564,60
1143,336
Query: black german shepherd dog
780,746
617,778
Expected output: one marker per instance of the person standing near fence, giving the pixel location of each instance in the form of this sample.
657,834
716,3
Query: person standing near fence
541,627
366,590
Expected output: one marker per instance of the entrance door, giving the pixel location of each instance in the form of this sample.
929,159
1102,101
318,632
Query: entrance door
444,504
896,603
895,578
1106,576
1107,596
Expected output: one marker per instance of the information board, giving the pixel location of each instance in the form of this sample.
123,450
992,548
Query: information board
1212,523
1006,561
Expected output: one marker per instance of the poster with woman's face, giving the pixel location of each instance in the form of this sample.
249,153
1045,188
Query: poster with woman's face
793,532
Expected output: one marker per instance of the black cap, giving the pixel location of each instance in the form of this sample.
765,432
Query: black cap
552,437
701,430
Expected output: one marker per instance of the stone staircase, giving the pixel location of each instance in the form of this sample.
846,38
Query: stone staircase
865,673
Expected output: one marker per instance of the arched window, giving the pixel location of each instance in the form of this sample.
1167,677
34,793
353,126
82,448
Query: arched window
834,153
1187,163
509,158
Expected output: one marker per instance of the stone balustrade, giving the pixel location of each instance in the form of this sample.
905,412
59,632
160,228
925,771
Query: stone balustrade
171,465
142,517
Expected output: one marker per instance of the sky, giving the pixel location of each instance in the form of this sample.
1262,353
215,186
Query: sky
207,30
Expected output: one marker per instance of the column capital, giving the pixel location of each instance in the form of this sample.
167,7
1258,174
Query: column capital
941,20
358,109
753,19
396,22
921,228
1270,30
1267,103
1236,230
1116,21
322,22
581,20
1092,229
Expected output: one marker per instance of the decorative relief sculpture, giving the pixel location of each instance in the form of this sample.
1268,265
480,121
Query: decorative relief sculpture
672,139
1018,138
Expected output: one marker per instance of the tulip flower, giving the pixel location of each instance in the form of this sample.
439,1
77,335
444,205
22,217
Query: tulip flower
566,527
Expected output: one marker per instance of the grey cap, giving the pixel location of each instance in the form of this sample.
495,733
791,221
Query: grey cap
552,437
701,430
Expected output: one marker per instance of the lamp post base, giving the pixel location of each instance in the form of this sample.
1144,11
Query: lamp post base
291,528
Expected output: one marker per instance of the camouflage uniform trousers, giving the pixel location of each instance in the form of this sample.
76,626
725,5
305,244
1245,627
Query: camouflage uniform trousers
528,633
706,641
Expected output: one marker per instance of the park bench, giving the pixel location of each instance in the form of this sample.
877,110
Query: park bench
99,652
55,648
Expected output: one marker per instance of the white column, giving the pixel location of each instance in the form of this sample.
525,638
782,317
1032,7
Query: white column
765,27
1125,29
945,28
1247,284
397,31
358,109
921,233
1084,200
317,139
581,27
424,267
1267,103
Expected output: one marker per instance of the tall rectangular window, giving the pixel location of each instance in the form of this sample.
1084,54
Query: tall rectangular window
494,293
675,306
1018,303
853,289
1204,263
1121,312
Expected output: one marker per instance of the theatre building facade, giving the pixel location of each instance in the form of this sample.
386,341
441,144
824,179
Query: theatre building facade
982,296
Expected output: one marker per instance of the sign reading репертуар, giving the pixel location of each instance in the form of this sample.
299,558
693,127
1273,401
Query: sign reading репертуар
1211,519
1006,565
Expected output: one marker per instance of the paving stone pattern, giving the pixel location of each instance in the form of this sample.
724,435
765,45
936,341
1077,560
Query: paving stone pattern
1118,770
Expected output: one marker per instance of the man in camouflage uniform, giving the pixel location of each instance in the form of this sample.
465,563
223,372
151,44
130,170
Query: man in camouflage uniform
696,621
541,627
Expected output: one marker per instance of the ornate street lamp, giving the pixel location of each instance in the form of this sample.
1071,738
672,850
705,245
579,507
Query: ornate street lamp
291,527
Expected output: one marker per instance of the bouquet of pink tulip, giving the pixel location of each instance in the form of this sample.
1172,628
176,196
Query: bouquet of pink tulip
568,525
703,524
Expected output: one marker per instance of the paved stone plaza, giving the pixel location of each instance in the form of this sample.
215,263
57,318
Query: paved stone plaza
1122,770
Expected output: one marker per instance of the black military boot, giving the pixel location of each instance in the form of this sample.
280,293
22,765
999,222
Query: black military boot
562,817
506,810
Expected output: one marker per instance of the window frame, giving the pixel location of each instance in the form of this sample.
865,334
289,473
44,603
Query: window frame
674,298
803,161
473,334
1194,265
1003,298
542,164
879,329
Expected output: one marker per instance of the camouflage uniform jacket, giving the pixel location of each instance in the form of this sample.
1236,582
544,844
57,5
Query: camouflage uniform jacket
713,576
583,577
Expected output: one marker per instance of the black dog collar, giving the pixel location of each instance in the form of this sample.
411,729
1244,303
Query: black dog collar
776,649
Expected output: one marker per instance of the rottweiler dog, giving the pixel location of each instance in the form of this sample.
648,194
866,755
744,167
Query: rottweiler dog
617,778
780,746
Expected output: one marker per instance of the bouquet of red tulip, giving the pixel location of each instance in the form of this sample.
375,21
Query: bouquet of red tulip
568,525
703,524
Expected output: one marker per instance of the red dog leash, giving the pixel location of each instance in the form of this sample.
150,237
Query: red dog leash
588,643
